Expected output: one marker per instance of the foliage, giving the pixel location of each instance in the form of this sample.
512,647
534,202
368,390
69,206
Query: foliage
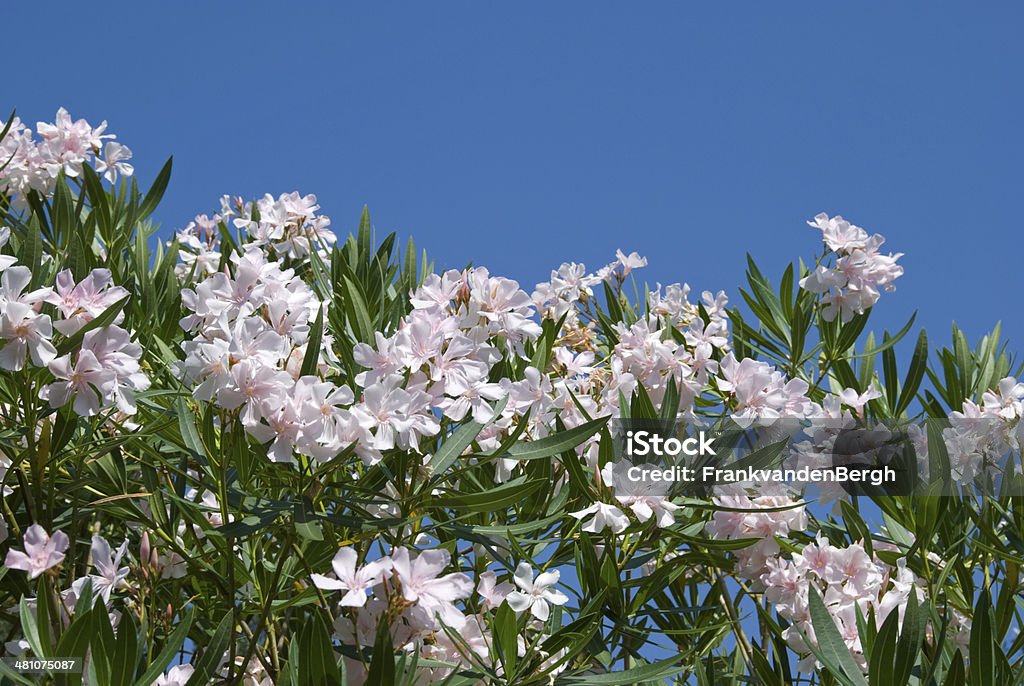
328,462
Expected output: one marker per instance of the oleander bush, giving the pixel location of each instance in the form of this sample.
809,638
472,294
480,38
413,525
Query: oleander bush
253,452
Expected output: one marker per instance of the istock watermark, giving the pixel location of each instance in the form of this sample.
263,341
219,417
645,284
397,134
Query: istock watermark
643,443
838,474
821,458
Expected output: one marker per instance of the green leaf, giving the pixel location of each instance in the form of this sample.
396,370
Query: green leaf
856,527
169,652
30,629
312,356
918,364
102,642
612,304
77,261
358,314
493,499
30,253
909,645
890,373
670,403
187,425
126,652
17,677
831,649
505,630
957,674
455,444
556,443
213,652
306,524
883,652
76,638
656,670
63,220
382,665
156,191
982,644
892,340
317,663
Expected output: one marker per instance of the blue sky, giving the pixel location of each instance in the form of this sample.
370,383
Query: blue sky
518,137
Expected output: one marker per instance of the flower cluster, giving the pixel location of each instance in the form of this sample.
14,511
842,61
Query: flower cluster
759,391
849,581
65,146
651,357
463,357
287,227
412,593
441,356
252,329
103,372
756,512
980,437
851,285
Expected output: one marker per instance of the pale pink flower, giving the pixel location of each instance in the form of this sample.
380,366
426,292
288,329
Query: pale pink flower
856,401
87,381
42,552
630,262
82,302
492,592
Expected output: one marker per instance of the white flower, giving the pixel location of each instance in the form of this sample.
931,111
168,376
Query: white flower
42,552
422,584
24,333
857,402
851,286
65,146
535,594
839,234
113,161
5,260
630,262
641,496
355,581
1007,401
605,516
110,575
176,676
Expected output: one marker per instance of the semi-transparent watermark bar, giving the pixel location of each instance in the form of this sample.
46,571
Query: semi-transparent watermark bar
820,458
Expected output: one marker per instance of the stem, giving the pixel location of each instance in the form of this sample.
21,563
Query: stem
268,599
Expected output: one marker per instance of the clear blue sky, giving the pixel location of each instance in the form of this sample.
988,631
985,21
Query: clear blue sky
521,135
